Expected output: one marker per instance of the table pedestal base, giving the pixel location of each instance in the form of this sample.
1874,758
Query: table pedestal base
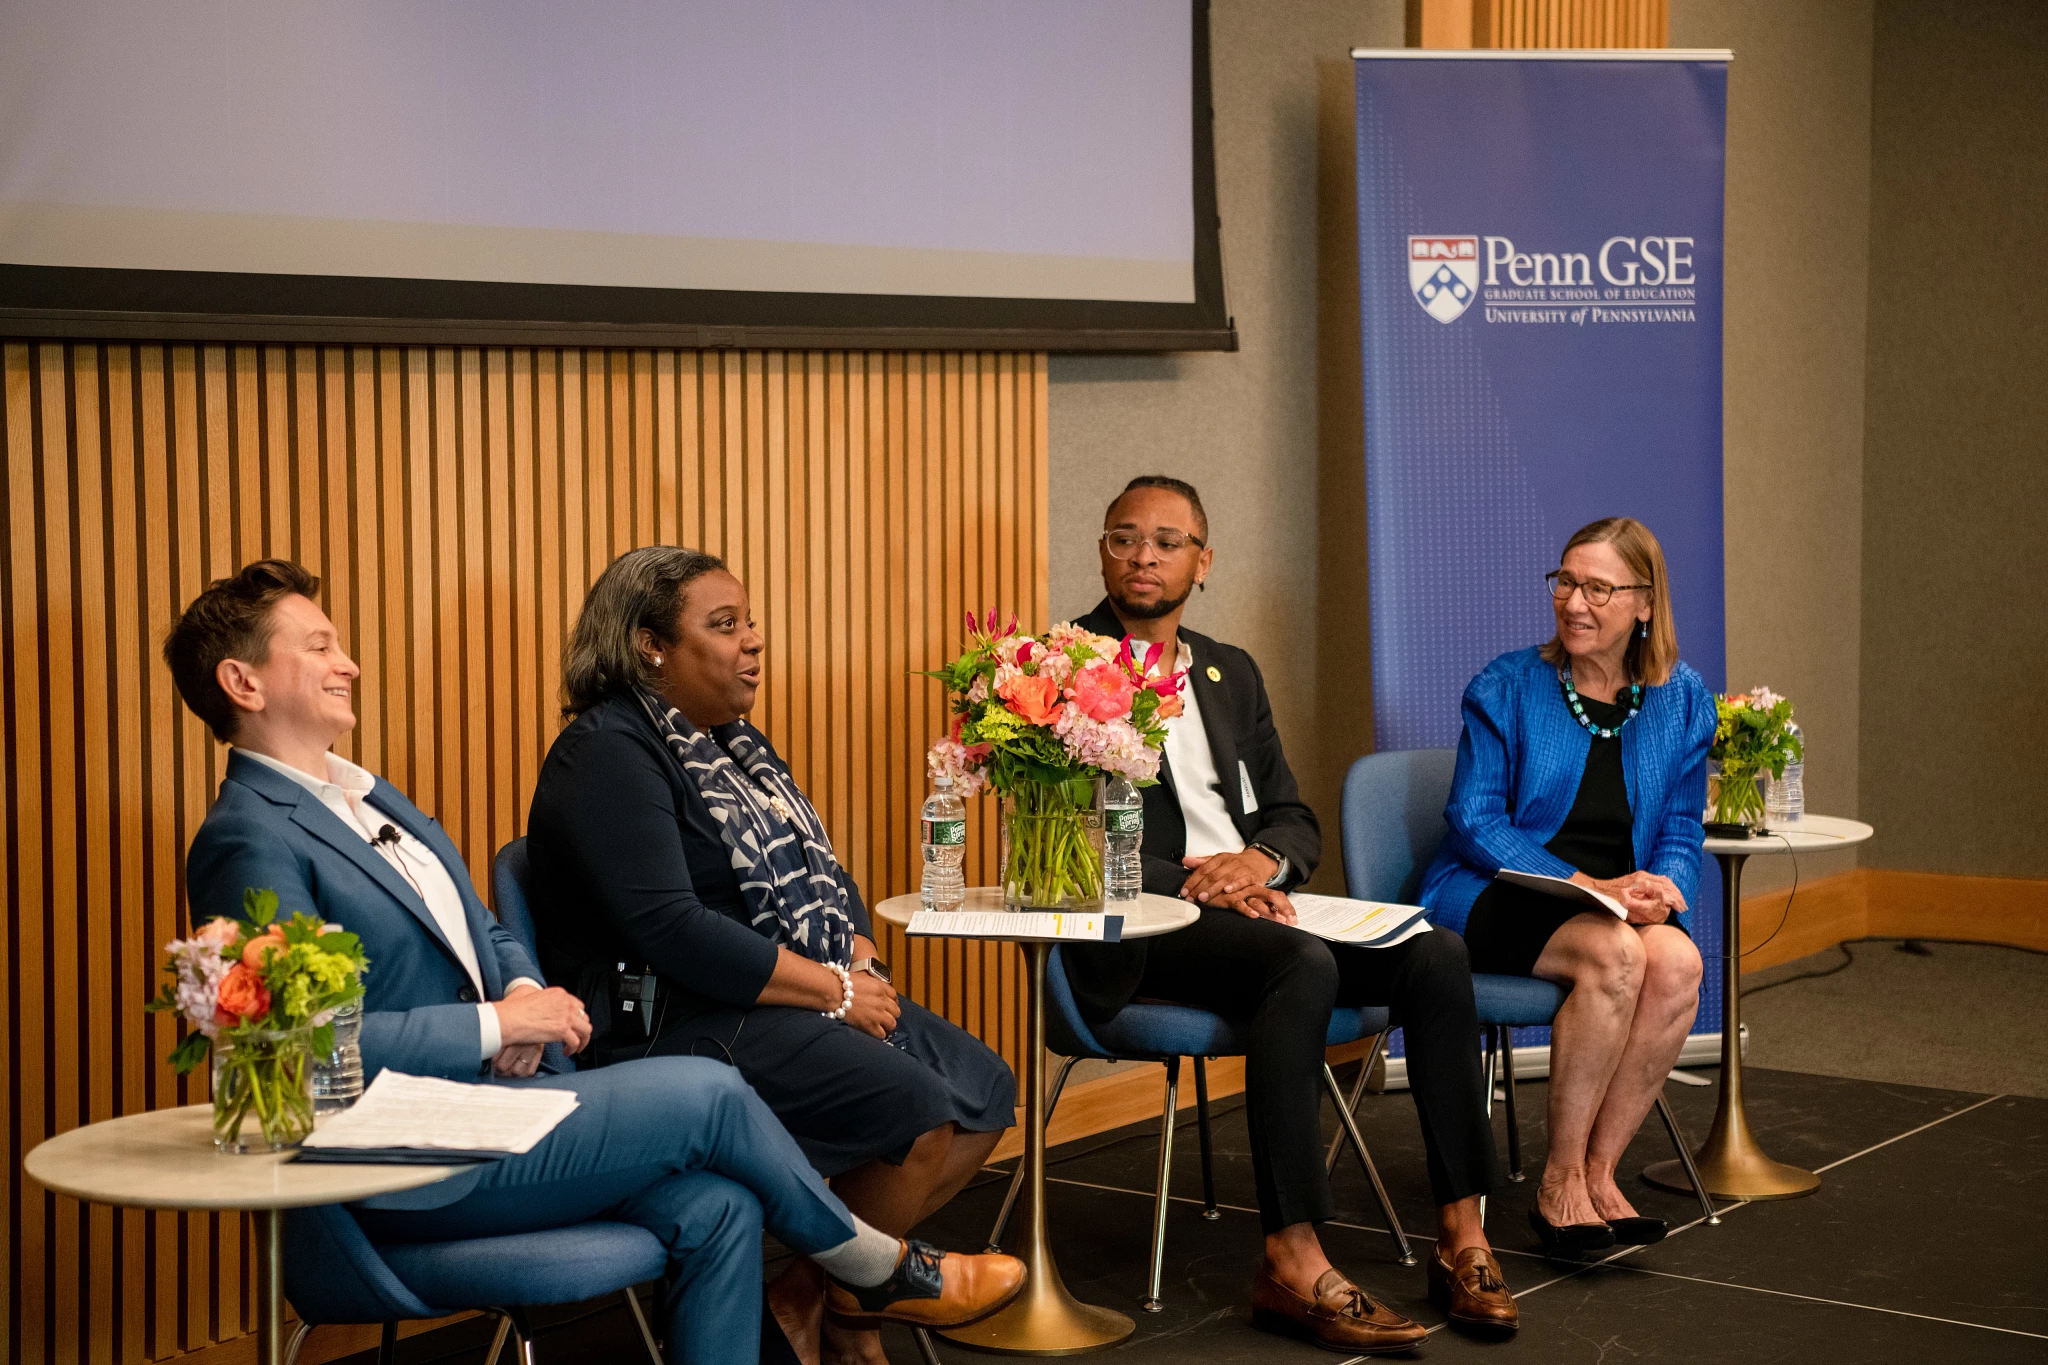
1044,1320
1730,1162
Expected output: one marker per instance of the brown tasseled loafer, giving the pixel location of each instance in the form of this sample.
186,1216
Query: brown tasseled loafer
1472,1290
931,1288
1340,1317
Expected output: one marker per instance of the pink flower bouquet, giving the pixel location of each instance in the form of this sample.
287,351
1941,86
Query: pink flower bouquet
1038,719
261,995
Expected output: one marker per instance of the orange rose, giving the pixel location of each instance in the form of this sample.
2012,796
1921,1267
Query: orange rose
260,947
242,997
1037,699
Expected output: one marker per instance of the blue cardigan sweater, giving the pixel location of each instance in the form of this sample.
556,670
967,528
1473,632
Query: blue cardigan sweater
1519,764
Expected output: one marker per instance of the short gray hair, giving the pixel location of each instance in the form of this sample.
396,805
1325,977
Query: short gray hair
642,588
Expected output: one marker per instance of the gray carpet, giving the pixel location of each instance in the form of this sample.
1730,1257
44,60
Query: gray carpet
1964,1017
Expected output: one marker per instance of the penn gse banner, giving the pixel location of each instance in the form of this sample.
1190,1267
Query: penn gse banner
1540,275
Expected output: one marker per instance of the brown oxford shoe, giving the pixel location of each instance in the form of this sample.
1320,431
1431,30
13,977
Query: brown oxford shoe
931,1288
1472,1290
1339,1317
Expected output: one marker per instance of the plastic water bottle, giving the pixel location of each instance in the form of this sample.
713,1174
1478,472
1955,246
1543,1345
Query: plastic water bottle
1785,797
942,832
1123,829
338,1077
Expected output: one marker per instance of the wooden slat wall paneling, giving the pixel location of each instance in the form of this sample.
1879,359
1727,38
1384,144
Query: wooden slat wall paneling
1558,23
457,503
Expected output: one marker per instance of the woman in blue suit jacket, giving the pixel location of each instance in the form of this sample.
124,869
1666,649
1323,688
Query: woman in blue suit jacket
1585,759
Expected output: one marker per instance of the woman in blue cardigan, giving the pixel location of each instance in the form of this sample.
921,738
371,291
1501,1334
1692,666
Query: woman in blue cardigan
1585,758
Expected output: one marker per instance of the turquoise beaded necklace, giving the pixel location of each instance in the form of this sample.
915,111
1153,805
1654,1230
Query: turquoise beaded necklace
1571,696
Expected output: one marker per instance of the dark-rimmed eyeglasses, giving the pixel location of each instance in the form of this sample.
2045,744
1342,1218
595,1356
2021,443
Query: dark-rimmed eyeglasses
1124,544
1562,585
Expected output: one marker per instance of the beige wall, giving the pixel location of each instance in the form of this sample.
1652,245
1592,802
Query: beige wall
1955,512
1272,433
1798,247
1246,428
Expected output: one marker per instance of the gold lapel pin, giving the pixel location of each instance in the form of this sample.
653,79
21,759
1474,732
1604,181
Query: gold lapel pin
1215,673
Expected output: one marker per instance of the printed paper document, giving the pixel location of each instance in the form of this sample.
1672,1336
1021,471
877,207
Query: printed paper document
1369,924
1095,926
426,1112
1563,890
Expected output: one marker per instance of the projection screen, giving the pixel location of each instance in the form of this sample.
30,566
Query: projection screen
690,172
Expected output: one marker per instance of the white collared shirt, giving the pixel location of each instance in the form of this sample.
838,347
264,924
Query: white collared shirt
1196,782
345,792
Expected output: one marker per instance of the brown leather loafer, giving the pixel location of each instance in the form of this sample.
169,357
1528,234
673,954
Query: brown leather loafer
1472,1290
1340,1316
931,1288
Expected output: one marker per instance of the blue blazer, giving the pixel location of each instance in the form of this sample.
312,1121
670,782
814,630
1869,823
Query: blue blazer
1519,764
419,1010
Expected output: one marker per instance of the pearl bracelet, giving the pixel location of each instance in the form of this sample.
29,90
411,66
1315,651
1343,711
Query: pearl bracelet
846,985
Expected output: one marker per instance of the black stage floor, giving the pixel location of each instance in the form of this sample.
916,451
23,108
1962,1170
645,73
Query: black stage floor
1927,1241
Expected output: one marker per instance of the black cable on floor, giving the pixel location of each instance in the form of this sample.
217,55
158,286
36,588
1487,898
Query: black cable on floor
1914,944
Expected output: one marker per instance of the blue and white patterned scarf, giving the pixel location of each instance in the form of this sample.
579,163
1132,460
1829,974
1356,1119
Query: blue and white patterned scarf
796,891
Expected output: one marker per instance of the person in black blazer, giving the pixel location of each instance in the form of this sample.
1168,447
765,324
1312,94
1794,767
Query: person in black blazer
688,893
1225,827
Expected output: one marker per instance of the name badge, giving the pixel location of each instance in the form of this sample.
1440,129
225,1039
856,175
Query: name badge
1244,785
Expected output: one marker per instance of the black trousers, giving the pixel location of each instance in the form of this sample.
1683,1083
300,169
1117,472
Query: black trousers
1286,982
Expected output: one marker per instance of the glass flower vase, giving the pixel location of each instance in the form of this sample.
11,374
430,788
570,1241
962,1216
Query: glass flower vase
1735,795
262,1090
1052,846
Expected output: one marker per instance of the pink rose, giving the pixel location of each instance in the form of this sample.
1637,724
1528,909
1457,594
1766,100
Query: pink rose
218,933
1103,691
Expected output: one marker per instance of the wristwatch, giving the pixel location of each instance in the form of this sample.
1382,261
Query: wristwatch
1279,861
873,966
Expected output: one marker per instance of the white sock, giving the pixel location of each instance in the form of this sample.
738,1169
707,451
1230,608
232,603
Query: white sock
864,1260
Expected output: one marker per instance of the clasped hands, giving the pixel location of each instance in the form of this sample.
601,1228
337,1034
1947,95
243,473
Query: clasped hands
1648,898
1237,881
529,1018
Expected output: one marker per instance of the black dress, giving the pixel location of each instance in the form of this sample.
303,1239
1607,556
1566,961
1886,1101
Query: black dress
630,876
1510,925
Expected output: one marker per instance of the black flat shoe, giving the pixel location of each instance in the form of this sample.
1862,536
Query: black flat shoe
1637,1232
1573,1239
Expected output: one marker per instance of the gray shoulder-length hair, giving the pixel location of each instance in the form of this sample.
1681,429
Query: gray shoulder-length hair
641,588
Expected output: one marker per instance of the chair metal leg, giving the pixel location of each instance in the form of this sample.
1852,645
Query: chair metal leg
995,1234
1153,1304
387,1346
1692,1172
926,1352
1209,1209
1486,1045
1507,1069
299,1335
1372,1057
497,1340
1365,1159
640,1321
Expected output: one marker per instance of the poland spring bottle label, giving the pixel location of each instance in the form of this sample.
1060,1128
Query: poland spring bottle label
942,832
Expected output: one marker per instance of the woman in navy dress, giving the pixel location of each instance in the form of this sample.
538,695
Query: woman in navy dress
687,891
1585,758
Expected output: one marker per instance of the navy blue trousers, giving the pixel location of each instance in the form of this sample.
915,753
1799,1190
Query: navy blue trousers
681,1146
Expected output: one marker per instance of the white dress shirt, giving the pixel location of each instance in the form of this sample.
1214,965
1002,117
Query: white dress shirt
1196,782
345,791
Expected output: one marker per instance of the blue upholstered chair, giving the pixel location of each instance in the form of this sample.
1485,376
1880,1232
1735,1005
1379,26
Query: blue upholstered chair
1392,823
1166,1033
333,1273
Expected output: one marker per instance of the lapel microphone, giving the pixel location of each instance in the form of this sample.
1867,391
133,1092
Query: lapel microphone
387,835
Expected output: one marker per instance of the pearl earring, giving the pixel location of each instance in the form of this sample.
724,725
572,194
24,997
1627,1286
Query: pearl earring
657,661
1644,630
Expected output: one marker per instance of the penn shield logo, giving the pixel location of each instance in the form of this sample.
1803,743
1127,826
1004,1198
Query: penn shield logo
1443,274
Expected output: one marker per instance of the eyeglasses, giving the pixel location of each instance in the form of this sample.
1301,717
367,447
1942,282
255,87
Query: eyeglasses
1598,594
1124,544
